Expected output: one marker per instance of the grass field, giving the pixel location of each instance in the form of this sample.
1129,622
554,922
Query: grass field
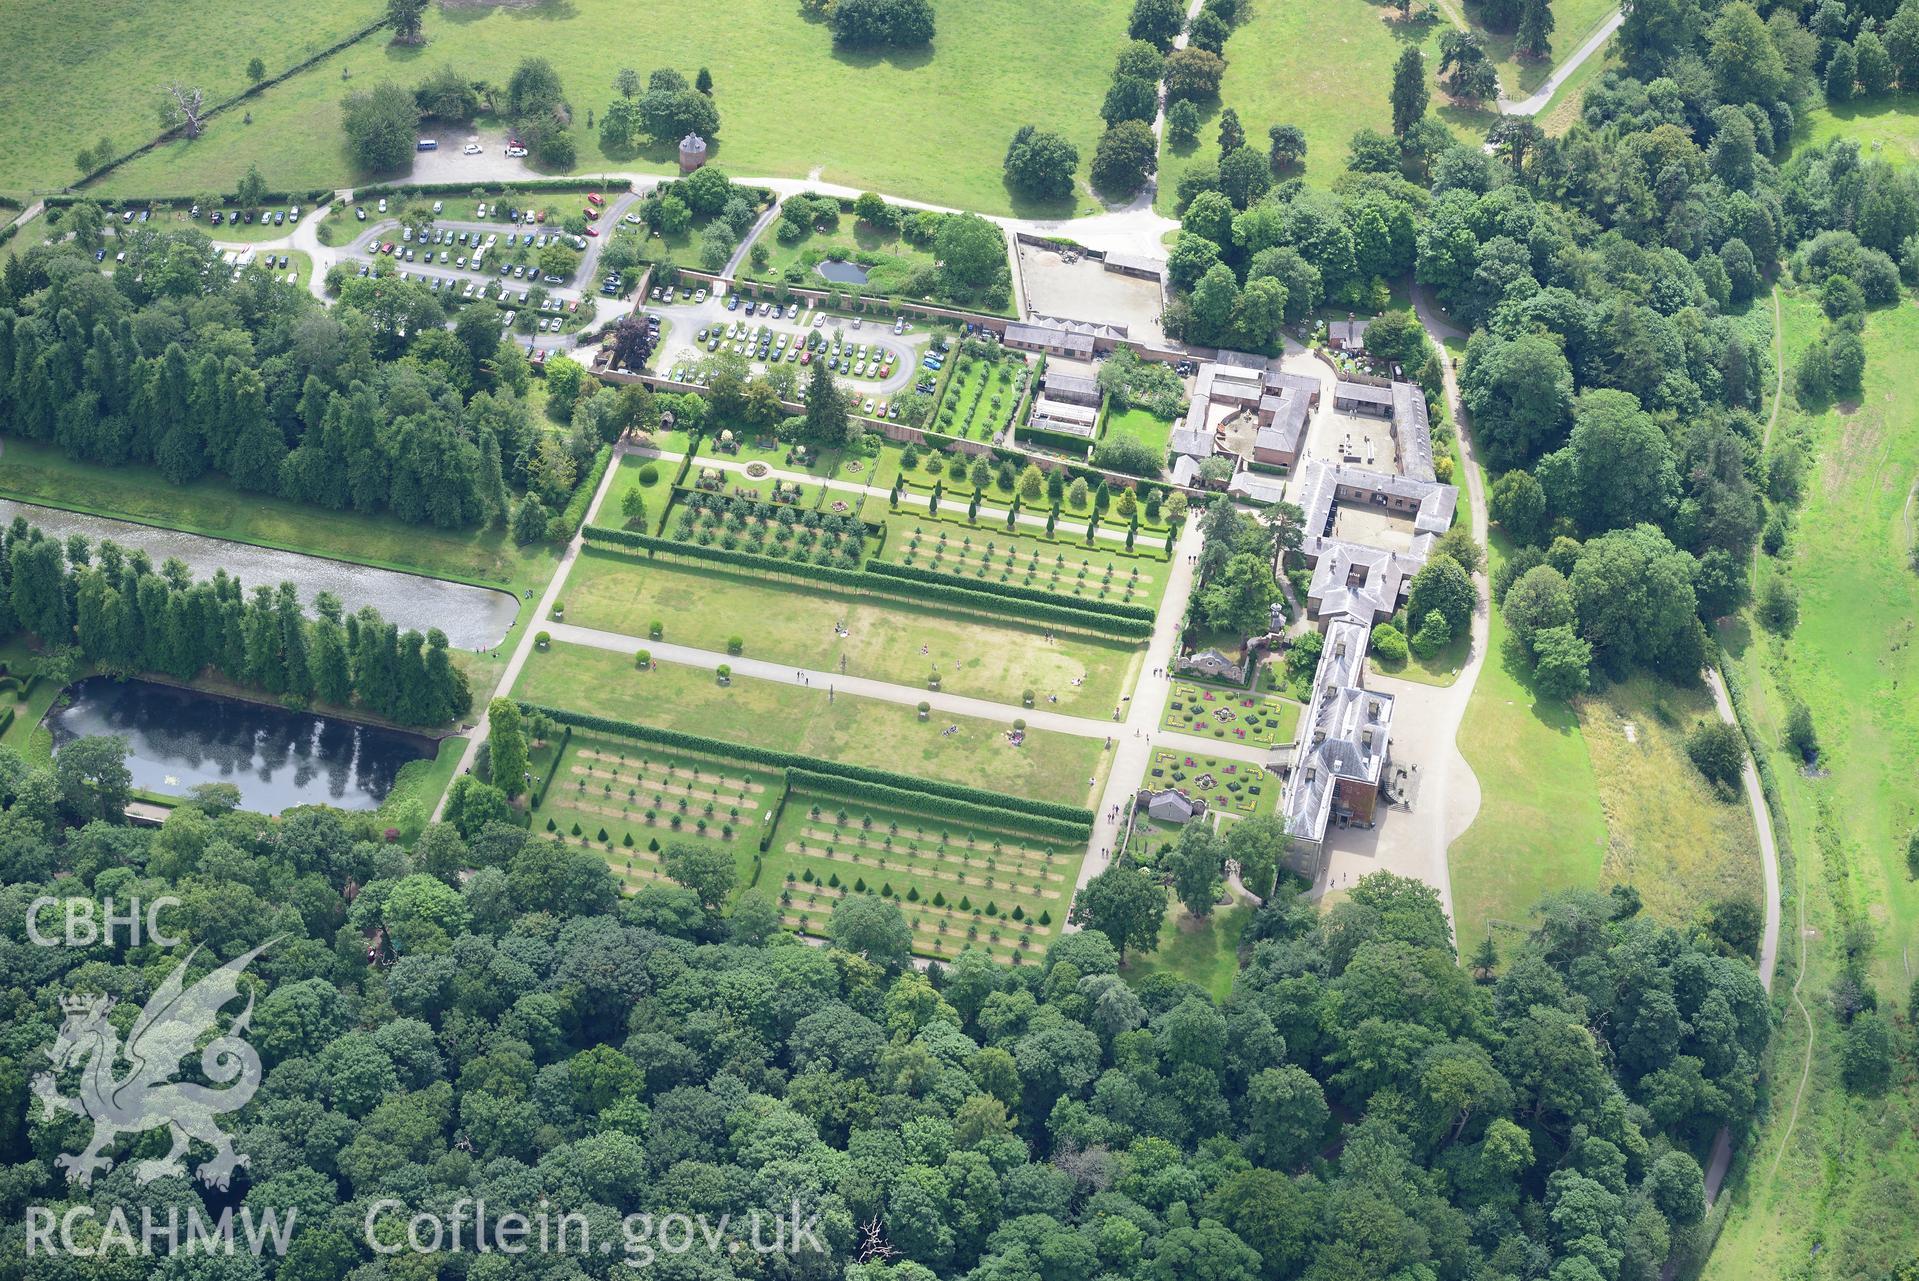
1000,888
932,125
645,798
1669,835
1324,66
80,73
1886,128
1262,720
860,731
1540,825
894,641
1838,1190
1142,425
38,473
1205,952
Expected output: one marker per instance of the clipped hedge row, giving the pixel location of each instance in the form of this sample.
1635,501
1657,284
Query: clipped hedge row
583,183
575,514
6,719
982,601
553,767
919,802
792,760
914,573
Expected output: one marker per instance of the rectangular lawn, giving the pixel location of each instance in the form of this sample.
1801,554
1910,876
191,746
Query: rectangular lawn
860,731
889,640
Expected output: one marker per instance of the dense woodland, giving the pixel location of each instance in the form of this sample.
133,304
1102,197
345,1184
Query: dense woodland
372,406
1361,1106
112,609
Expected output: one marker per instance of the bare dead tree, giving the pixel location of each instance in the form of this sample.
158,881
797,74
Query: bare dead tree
183,107
874,1247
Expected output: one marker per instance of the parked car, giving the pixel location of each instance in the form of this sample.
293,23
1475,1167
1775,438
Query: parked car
426,144
471,149
595,198
515,151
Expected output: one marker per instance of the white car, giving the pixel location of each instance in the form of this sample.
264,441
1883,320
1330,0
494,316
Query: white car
516,152
471,149
819,319
856,322
382,204
438,206
479,211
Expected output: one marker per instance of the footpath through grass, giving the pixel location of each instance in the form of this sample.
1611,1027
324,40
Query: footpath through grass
1842,1191
791,718
894,641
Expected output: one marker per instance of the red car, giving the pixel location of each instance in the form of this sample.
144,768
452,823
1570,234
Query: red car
594,198
387,248
592,231
540,216
592,213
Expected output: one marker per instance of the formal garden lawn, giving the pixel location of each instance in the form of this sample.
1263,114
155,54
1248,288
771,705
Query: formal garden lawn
931,125
889,261
1325,67
861,731
799,623
1226,712
1141,424
1230,788
33,472
1002,889
627,801
76,74
1065,564
1842,1185
1540,825
983,395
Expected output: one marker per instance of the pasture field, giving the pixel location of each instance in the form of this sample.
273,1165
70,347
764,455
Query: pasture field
891,640
1669,835
1839,1187
78,73
932,125
1049,766
1324,66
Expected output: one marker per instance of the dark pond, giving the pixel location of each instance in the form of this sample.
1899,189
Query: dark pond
277,758
841,272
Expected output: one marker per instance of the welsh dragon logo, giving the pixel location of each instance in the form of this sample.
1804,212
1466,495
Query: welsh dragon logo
146,1097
